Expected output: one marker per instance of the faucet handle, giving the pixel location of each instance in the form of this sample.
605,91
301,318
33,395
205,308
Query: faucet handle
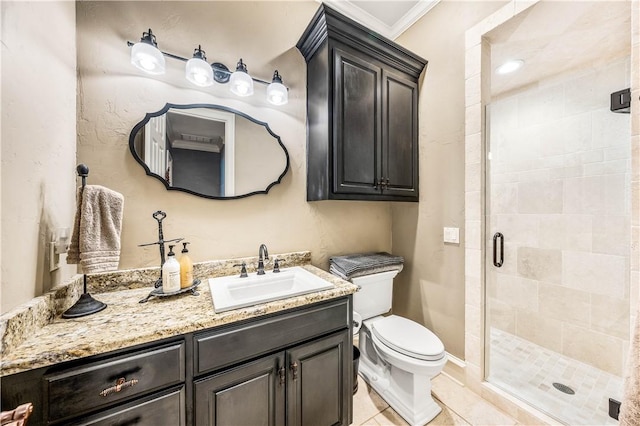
276,265
243,271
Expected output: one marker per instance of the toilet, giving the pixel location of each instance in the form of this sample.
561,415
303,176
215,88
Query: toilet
398,357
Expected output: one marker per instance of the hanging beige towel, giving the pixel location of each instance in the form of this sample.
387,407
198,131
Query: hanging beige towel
630,408
95,240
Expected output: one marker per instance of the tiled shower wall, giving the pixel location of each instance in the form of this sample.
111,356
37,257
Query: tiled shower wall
559,191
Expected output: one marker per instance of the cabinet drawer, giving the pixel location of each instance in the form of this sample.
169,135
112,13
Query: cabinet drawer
92,386
163,409
214,350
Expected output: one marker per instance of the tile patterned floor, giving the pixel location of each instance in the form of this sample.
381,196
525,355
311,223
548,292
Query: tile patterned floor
460,406
528,371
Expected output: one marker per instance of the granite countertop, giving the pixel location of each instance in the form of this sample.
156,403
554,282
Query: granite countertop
126,322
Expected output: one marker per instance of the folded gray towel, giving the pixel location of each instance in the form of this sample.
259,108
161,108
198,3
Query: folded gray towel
363,262
371,271
95,240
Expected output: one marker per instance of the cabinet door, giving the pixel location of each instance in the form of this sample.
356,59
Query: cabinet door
399,135
319,386
249,395
356,124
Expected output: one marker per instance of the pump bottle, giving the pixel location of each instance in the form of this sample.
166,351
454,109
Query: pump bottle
186,268
171,273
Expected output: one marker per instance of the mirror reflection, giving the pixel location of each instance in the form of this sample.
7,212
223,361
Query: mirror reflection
209,150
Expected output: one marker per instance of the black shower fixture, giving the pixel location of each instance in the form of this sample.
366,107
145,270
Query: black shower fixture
621,101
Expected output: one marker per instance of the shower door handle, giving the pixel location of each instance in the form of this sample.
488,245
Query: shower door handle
498,263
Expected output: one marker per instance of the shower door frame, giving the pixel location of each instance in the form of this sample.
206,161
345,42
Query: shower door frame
477,95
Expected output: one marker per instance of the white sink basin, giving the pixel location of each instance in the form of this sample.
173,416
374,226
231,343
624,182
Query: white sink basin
234,292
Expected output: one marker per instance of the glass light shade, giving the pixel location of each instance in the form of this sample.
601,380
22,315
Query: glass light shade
241,83
277,94
199,72
148,58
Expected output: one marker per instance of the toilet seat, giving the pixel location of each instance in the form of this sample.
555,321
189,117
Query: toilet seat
408,338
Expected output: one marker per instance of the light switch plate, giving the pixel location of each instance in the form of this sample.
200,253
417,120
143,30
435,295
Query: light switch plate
452,235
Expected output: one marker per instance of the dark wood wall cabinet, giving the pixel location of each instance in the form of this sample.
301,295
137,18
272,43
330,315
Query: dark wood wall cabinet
362,112
290,368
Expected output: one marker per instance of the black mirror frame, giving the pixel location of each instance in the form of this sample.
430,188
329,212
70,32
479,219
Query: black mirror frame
169,106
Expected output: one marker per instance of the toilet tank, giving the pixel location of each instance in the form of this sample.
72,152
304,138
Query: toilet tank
375,294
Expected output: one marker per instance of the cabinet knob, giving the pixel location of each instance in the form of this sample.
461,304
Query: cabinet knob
382,183
121,383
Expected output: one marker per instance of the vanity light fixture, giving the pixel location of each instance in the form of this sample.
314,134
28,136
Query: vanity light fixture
198,71
241,82
146,56
510,66
276,92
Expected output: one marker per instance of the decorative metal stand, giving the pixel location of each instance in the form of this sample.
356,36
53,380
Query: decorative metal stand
157,291
86,305
159,216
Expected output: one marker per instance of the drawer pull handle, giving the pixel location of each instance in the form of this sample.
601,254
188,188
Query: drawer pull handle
121,383
281,373
294,370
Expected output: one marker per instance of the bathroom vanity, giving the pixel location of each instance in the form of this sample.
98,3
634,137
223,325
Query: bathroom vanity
283,362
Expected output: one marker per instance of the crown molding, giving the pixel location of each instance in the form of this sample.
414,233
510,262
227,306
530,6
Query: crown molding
347,8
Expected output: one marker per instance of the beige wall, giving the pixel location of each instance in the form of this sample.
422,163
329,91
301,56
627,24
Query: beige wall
113,96
430,290
38,142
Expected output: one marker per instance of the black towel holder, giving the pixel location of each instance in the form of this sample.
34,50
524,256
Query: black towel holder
86,305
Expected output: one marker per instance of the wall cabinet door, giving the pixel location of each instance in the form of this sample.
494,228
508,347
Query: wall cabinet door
319,382
357,124
251,394
399,135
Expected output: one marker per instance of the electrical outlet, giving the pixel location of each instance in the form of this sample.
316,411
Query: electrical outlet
54,257
452,235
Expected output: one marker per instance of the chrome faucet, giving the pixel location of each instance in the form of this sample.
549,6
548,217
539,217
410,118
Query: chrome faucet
263,254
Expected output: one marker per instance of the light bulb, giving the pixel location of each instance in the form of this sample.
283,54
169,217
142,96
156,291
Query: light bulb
146,56
277,93
197,70
240,81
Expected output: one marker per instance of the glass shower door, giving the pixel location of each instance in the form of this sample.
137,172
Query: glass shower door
557,244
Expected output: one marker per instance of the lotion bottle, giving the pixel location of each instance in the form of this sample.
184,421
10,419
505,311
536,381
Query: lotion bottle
171,273
186,268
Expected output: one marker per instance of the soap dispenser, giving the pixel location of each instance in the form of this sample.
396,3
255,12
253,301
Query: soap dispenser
171,273
186,268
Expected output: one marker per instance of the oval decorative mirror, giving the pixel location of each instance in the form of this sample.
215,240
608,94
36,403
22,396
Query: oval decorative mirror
209,150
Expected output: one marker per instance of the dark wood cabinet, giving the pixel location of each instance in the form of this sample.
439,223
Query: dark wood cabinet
295,368
362,112
287,368
251,394
318,372
305,385
105,383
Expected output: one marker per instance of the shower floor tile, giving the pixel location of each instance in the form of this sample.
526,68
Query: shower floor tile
528,372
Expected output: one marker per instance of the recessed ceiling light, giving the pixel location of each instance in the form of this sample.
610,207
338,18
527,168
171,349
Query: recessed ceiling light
510,66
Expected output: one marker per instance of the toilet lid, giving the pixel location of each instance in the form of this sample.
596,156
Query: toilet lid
408,338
